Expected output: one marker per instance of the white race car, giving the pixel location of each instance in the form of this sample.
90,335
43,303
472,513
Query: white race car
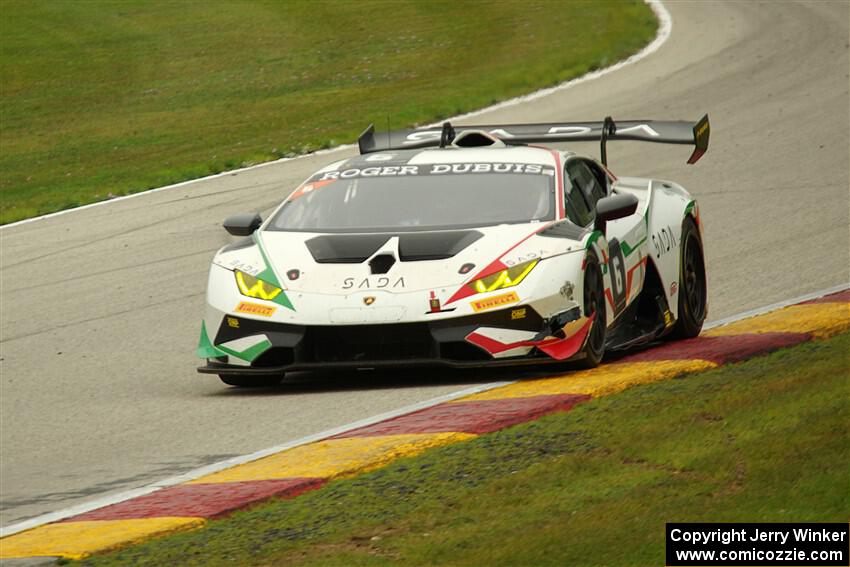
461,246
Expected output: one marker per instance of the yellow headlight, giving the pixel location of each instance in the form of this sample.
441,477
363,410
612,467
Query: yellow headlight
256,288
506,278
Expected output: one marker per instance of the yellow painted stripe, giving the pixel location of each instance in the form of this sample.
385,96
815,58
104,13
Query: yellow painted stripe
602,381
820,319
335,458
76,540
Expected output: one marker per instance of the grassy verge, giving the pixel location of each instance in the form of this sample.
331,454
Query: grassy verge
102,98
765,440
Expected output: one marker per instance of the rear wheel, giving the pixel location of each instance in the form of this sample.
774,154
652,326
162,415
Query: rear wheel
250,381
594,303
692,285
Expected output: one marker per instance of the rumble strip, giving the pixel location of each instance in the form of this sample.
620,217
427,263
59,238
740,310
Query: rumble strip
288,473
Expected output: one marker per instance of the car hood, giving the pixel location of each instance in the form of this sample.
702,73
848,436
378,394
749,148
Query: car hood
392,262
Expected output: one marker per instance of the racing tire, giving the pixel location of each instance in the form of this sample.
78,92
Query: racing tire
594,302
250,381
692,284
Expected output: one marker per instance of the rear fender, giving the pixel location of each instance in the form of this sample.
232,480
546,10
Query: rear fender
669,203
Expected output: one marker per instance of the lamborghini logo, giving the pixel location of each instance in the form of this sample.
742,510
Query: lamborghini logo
369,299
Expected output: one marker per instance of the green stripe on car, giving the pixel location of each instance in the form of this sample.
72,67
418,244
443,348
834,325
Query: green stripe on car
624,246
270,277
250,353
205,347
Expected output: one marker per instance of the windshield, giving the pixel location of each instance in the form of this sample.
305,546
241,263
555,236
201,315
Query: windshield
438,196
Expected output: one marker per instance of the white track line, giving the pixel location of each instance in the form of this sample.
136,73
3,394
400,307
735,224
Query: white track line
778,305
215,467
665,26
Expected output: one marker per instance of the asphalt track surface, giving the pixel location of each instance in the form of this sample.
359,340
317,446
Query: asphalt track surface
101,307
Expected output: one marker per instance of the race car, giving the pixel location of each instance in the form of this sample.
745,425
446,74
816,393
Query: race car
461,246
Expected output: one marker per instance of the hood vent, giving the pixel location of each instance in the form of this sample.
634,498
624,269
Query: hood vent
417,246
412,246
381,263
345,248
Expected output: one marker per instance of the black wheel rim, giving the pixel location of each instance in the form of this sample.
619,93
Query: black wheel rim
694,278
594,302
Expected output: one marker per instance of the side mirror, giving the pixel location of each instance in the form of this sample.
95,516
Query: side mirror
614,207
243,224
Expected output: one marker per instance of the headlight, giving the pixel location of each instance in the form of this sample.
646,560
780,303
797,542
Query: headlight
256,288
506,278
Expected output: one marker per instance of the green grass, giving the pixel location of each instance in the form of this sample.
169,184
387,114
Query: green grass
103,98
765,440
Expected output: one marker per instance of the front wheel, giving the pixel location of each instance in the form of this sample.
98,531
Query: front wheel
250,381
594,304
692,284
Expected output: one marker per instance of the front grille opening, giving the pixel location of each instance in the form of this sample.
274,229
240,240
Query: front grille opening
275,356
462,351
381,263
371,342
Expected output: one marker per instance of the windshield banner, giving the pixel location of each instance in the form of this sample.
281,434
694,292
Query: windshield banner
436,169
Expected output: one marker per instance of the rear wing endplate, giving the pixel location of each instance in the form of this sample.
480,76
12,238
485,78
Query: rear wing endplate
658,131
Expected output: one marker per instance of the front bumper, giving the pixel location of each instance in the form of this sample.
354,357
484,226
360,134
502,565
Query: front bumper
445,342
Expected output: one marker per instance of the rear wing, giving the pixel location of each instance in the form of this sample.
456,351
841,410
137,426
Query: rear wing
664,132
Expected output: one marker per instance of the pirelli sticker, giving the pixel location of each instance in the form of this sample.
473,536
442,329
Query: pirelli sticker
255,309
494,302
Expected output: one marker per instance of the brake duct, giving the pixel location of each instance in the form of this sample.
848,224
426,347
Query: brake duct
562,337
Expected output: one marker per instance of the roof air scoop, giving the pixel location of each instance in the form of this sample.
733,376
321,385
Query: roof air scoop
477,139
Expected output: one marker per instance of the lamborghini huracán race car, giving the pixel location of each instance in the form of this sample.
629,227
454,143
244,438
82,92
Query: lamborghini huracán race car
461,246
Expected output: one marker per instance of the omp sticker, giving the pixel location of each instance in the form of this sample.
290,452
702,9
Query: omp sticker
255,309
496,301
518,313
